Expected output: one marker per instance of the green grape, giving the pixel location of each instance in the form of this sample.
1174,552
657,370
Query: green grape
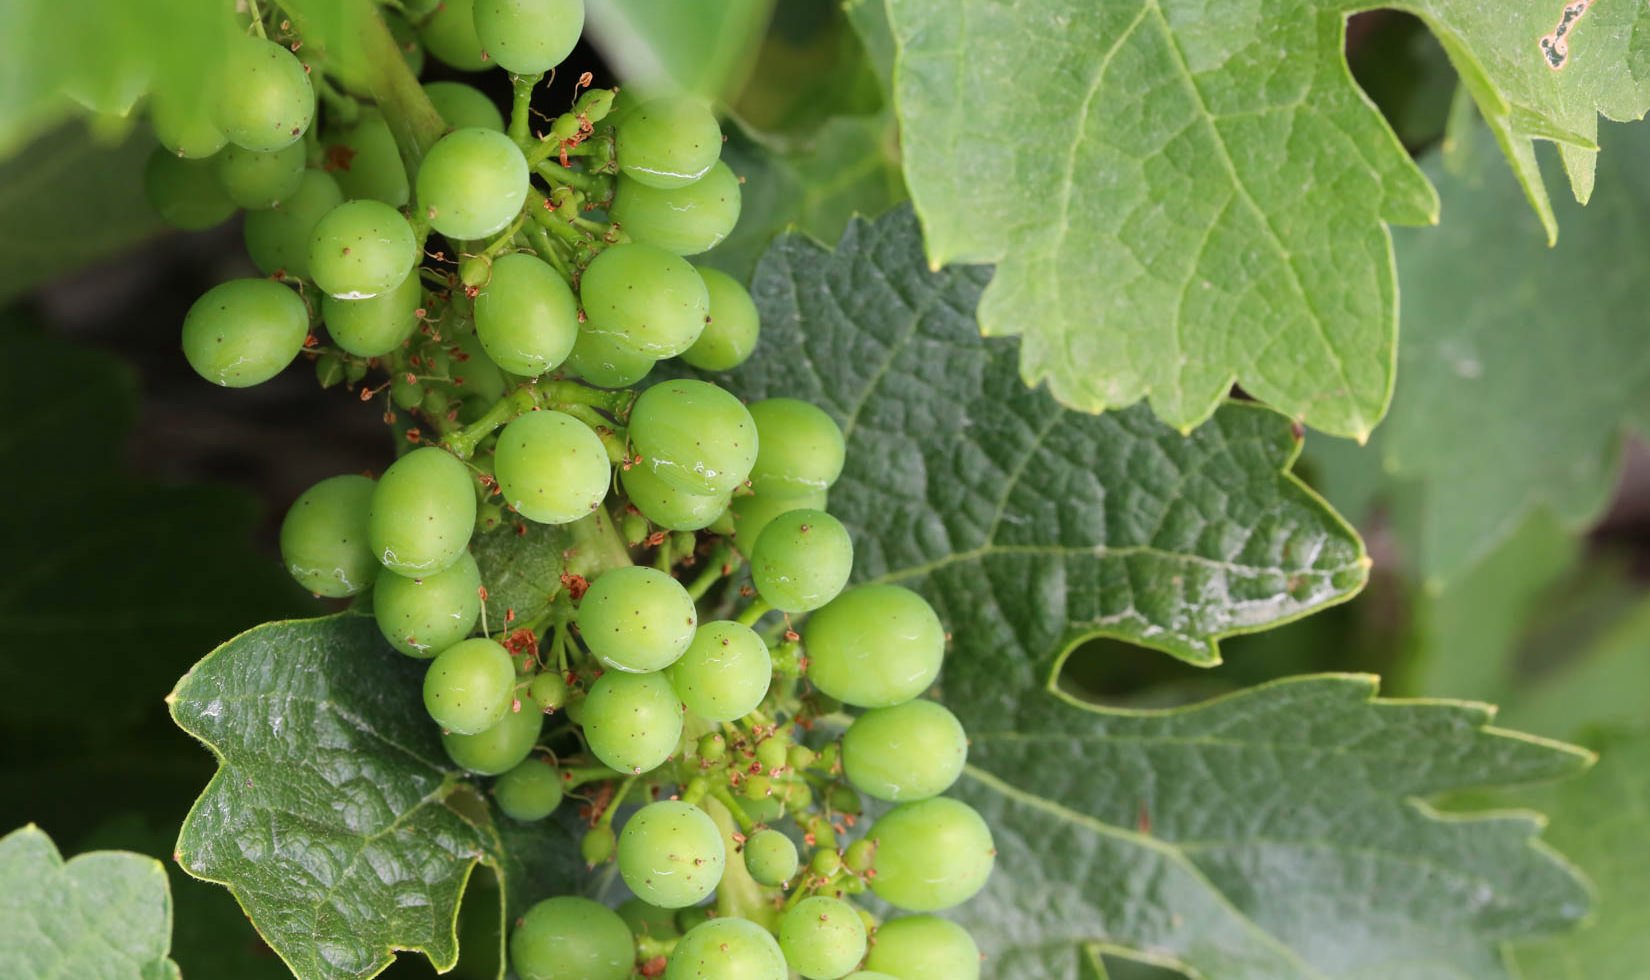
731,334
500,748
874,646
753,512
423,616
668,142
727,949
931,854
329,369
464,107
423,512
671,854
668,507
910,751
472,183
277,238
375,326
530,791
361,249
548,690
725,672
184,193
684,220
872,975
597,845
529,37
802,560
801,447
859,856
265,100
693,917
256,179
551,468
244,331
406,38
644,300
368,164
450,34
470,686
572,938
648,921
637,619
919,947
185,126
695,436
823,938
770,857
475,374
324,537
526,316
405,394
605,364
632,721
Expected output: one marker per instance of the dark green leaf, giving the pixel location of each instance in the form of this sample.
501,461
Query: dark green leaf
521,564
105,915
1179,195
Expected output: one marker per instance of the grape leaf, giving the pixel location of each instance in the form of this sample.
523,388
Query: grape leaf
1521,364
522,565
959,473
1183,194
701,46
335,817
103,915
1275,832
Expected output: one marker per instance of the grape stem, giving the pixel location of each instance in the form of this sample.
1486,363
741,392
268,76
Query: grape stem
544,216
606,819
520,105
527,398
723,796
756,610
555,173
257,19
723,561
546,249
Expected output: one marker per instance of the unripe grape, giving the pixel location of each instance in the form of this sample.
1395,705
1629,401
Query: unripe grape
727,948
731,334
756,787
186,126
500,748
802,560
644,299
801,448
874,646
712,746
551,468
725,673
256,179
324,537
184,192
374,326
423,512
361,249
694,436
667,506
668,142
910,751
859,856
632,721
753,512
374,170
470,686
571,938
822,938
597,845
924,946
773,751
770,857
278,238
243,332
637,619
930,855
603,363
265,100
450,34
526,317
548,690
671,854
647,920
329,370
528,37
684,220
464,107
472,183
530,791
425,615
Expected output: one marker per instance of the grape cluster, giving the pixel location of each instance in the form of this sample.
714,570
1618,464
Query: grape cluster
737,740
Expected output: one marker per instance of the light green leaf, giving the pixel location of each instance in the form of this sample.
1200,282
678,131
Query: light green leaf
1521,363
1076,525
1180,195
335,817
702,46
104,915
1272,833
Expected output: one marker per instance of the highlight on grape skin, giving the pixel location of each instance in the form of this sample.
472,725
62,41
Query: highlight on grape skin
698,692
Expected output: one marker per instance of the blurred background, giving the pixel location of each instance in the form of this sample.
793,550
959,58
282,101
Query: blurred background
141,504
